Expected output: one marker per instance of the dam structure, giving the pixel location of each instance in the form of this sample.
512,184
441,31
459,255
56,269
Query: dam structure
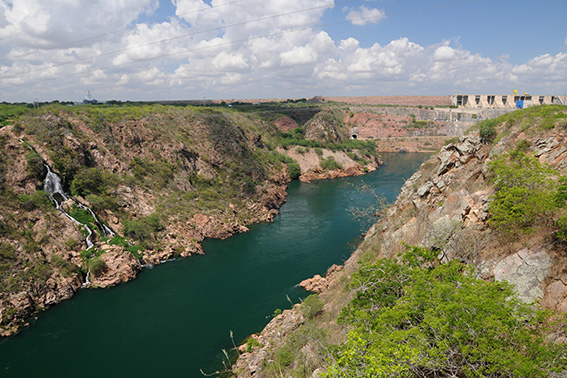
513,101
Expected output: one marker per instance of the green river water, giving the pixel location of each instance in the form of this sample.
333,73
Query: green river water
176,318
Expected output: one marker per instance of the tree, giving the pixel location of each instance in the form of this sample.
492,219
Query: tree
419,318
524,191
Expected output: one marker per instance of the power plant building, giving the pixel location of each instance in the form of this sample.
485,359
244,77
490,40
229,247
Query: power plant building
513,101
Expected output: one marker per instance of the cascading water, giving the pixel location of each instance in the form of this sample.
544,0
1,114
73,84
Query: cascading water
52,186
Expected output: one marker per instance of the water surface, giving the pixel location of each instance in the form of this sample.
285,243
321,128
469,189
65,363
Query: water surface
175,319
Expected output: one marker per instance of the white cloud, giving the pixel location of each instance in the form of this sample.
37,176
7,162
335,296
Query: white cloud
444,54
364,15
298,55
176,59
230,62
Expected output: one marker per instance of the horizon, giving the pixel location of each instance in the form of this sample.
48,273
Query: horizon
141,50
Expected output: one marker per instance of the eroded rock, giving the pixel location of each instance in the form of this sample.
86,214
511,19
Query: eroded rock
526,270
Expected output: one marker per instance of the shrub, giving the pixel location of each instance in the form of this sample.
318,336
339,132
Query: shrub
487,131
329,164
294,170
284,356
252,343
35,166
36,200
97,265
523,191
409,319
92,181
142,229
312,306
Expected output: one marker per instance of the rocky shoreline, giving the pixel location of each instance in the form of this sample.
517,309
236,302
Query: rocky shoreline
443,206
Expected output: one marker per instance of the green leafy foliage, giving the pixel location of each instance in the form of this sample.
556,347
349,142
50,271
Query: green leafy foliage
487,131
294,170
560,199
154,173
312,306
92,181
329,164
143,228
36,200
35,166
524,191
9,111
85,217
437,320
97,265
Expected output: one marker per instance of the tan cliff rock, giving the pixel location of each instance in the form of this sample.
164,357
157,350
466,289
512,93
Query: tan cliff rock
199,173
47,263
445,206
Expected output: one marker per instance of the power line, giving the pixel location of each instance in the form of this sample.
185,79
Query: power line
118,31
179,37
245,40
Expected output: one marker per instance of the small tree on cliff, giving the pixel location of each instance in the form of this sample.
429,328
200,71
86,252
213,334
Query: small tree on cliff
524,191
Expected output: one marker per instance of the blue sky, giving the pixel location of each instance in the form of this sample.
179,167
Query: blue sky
229,49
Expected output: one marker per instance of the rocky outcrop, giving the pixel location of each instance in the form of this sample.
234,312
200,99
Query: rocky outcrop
272,336
310,164
120,266
202,181
526,270
445,206
318,284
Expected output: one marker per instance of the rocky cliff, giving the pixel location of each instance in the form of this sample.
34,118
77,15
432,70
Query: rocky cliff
445,206
158,179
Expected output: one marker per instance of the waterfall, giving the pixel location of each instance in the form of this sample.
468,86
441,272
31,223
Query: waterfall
52,185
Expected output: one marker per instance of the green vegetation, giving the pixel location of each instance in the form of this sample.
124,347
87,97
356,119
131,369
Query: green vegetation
252,344
35,166
37,200
417,318
312,306
9,111
524,192
289,354
329,164
487,131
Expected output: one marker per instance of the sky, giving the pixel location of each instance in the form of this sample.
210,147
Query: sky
236,49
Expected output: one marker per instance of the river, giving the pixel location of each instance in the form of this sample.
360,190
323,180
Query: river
176,318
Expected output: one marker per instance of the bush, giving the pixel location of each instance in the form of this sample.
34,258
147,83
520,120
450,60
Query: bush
409,319
312,306
523,192
36,200
142,229
35,166
97,265
487,131
329,164
252,343
294,170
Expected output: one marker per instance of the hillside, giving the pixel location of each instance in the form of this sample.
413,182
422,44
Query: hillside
425,294
158,179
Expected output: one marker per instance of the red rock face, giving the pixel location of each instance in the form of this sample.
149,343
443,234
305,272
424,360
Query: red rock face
285,124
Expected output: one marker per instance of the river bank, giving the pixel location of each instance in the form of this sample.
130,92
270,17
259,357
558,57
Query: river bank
179,315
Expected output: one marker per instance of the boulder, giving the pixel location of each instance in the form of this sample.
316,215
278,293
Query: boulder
315,285
526,270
